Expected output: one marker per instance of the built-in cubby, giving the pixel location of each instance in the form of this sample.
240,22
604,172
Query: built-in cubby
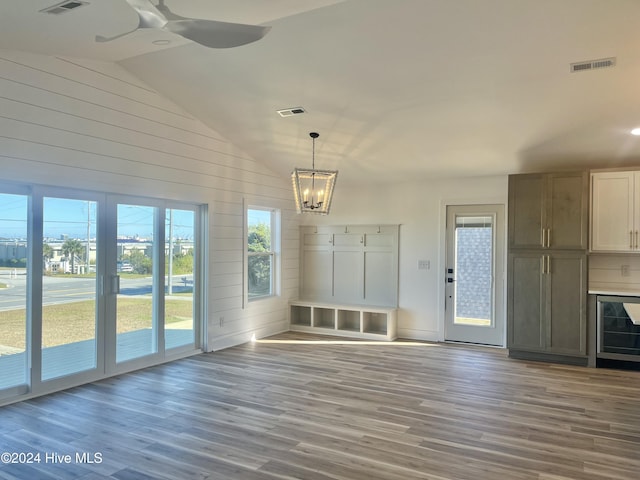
301,315
358,321
349,320
374,322
324,317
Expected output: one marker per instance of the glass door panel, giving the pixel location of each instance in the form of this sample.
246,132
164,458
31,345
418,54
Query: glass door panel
13,290
69,314
180,266
474,276
136,325
474,267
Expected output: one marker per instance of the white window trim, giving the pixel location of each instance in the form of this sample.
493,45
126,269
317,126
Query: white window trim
275,252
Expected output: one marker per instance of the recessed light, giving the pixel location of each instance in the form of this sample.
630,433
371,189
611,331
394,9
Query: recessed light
635,131
161,42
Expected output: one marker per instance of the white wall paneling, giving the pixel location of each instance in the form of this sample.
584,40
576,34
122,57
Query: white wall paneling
92,125
350,264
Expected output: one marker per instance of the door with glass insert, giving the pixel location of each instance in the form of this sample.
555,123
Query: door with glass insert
474,310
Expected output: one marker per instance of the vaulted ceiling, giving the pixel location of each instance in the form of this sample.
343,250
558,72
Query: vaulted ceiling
398,89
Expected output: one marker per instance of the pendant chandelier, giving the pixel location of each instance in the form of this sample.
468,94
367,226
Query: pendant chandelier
313,188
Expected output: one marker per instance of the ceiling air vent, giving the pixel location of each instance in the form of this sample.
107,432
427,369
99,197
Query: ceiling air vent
593,64
63,7
288,112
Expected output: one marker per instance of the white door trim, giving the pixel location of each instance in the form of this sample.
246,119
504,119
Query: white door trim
442,260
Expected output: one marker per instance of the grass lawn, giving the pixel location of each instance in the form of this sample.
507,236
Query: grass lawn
74,322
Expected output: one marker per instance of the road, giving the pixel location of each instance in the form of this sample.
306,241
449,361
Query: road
64,289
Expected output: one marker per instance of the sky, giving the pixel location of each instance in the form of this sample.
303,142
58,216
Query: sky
75,218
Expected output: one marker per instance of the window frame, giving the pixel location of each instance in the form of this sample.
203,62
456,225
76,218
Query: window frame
273,254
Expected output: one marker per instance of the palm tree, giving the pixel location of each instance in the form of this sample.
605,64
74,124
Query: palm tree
70,248
47,254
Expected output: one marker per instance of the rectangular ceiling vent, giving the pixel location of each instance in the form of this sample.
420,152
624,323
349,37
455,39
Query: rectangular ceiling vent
288,112
63,7
593,64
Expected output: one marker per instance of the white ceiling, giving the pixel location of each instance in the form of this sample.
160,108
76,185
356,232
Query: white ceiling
398,89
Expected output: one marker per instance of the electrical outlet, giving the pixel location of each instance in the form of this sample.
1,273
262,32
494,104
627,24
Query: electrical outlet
424,264
625,270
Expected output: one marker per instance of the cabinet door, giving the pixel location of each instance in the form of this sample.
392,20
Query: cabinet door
612,211
567,304
567,211
526,296
526,210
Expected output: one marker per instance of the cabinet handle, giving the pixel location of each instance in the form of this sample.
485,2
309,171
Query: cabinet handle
548,264
630,239
636,239
548,238
543,239
544,263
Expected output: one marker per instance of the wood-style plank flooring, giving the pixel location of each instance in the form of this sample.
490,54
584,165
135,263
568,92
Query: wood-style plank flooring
303,407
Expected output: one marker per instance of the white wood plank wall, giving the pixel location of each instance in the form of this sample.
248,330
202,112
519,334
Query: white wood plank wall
92,125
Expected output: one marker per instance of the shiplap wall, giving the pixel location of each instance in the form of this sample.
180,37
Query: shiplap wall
91,125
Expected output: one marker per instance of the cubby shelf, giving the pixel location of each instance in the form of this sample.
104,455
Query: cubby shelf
357,321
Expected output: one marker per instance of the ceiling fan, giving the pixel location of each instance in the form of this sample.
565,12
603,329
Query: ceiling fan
210,33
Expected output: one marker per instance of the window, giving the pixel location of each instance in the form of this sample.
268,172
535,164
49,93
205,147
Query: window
261,252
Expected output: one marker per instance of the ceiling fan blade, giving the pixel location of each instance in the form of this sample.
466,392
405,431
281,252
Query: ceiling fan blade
214,34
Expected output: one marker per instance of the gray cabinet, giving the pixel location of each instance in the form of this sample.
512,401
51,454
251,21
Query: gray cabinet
549,211
546,272
547,294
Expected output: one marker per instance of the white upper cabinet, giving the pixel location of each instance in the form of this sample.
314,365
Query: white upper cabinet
615,211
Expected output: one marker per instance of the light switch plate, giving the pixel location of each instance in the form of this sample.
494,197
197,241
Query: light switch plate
424,264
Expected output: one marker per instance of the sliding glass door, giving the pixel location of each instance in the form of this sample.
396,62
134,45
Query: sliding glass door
69,342
153,279
137,289
180,265
93,284
14,248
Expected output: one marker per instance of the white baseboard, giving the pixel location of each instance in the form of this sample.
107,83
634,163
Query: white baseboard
238,338
411,334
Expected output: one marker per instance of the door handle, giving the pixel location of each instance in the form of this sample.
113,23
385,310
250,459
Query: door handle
115,284
546,264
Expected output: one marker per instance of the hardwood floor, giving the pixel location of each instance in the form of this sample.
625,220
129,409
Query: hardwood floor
299,406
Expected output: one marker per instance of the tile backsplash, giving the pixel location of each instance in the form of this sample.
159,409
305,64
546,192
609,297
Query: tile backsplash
614,272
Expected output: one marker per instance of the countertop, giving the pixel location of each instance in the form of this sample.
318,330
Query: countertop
618,291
